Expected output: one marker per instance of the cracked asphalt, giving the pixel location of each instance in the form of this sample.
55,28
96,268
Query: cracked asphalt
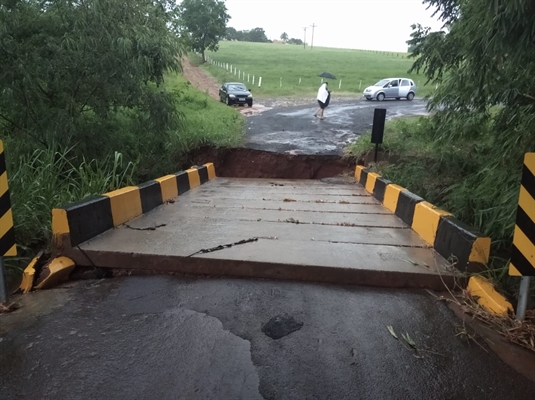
163,337
294,130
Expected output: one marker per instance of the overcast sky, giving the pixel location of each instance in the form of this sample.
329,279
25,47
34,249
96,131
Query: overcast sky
356,24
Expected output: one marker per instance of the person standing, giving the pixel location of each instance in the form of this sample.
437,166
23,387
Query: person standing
323,97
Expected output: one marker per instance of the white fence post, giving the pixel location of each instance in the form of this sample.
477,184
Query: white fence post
340,84
280,85
299,81
247,78
360,83
253,79
260,82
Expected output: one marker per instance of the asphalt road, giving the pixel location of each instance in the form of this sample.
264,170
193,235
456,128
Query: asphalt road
294,130
157,337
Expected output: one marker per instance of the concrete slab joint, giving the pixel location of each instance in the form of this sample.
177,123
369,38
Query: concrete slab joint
78,222
457,242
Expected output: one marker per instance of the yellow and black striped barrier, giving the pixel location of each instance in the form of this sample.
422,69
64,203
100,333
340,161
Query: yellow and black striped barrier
466,248
78,222
7,232
523,250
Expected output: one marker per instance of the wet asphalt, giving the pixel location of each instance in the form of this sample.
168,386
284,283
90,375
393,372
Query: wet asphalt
157,337
294,130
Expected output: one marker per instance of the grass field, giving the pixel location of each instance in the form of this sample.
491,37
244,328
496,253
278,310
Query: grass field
206,121
356,68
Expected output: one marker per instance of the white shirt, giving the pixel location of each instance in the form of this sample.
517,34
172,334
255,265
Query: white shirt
323,93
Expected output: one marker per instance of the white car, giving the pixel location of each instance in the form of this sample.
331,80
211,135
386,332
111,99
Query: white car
393,88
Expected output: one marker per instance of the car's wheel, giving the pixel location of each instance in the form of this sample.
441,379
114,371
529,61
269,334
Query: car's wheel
369,99
398,98
229,103
380,97
250,103
410,96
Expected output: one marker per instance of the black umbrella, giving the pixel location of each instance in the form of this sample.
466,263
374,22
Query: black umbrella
327,75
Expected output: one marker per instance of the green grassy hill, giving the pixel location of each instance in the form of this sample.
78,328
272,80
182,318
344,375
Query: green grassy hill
356,68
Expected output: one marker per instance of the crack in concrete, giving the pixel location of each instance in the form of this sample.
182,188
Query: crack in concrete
342,224
224,246
375,244
307,211
350,193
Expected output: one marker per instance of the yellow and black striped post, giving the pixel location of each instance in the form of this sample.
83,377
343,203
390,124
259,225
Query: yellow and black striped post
7,233
523,250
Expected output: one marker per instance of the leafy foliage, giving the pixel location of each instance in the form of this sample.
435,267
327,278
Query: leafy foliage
257,35
73,72
203,24
295,41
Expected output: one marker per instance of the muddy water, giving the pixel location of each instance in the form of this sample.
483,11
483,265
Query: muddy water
294,130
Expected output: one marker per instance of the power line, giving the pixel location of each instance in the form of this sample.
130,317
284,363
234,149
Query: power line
312,41
305,41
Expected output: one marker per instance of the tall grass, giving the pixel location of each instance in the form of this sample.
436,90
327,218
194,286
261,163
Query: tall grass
356,68
48,178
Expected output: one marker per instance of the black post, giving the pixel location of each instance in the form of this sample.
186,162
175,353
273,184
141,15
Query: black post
378,129
376,151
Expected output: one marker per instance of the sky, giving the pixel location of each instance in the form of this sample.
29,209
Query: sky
355,24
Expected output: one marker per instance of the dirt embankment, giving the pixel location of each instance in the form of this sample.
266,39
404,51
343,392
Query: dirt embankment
249,163
199,79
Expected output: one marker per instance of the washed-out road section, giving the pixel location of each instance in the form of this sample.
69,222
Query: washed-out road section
294,130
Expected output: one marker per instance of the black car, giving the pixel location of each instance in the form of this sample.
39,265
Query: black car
235,93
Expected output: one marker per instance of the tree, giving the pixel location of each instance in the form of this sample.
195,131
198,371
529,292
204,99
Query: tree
231,34
295,41
203,23
72,72
484,64
284,37
257,35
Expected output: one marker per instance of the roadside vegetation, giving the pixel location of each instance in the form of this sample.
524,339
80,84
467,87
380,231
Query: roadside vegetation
92,100
356,68
467,157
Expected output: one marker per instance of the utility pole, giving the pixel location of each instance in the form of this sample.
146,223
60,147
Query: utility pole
312,41
305,41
